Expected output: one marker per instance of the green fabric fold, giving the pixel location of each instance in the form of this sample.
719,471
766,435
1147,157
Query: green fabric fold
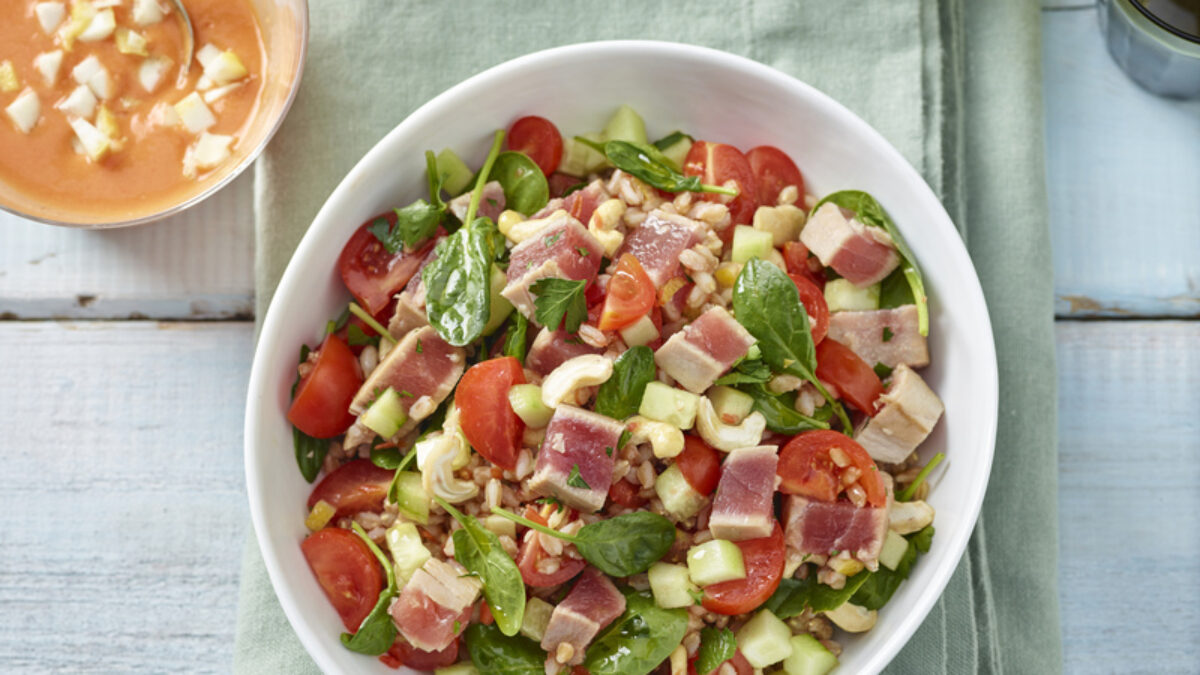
955,85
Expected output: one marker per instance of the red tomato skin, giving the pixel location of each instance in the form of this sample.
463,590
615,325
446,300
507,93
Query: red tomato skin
630,294
353,487
773,171
700,465
532,552
487,417
814,303
321,407
795,255
372,274
404,654
716,163
625,494
347,571
538,138
805,467
740,665
857,382
764,568
560,183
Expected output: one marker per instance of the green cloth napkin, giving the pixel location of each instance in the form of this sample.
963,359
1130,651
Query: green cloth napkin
955,85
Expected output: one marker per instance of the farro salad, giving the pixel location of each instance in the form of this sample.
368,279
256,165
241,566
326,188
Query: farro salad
617,407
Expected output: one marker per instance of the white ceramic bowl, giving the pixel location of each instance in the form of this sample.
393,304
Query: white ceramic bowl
710,94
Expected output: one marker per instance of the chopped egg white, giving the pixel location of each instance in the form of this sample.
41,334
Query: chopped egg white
94,142
225,68
101,4
207,54
82,13
164,115
203,83
106,122
194,114
212,149
101,27
85,69
213,95
151,72
50,15
131,42
25,110
8,77
147,12
48,65
80,102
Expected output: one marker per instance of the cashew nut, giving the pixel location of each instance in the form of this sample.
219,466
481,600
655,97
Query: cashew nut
586,370
439,450
727,437
603,225
679,661
909,517
665,439
520,230
852,618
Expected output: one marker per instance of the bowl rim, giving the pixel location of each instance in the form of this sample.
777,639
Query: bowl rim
247,160
987,388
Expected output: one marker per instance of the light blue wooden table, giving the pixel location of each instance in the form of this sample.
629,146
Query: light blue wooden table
123,373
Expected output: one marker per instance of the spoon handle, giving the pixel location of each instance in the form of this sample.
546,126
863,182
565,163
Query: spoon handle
189,41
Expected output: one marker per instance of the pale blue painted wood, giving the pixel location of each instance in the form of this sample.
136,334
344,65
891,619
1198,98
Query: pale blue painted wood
1124,182
1129,496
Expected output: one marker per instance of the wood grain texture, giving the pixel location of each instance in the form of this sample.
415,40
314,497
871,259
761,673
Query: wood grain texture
1129,496
123,495
197,265
1123,168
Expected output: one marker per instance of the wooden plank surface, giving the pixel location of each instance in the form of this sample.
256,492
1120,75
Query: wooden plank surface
122,494
1129,496
197,265
1123,171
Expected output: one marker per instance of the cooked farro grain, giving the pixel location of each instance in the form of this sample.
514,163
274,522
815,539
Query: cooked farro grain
368,359
788,195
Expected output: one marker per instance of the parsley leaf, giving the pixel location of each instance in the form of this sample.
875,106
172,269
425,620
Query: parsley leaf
882,370
575,480
887,334
560,301
515,339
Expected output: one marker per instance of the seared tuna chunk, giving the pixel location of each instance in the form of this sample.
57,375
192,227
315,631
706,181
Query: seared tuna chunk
863,255
744,506
575,463
422,368
887,336
700,353
908,410
435,605
591,605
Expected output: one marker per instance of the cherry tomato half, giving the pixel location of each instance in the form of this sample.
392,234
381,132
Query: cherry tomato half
371,273
404,654
625,493
807,468
740,665
855,380
321,407
764,568
699,464
353,487
814,303
487,417
773,171
538,138
532,553
631,294
346,570
716,163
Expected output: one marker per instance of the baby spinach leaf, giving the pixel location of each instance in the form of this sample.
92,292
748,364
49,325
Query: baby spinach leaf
793,595
648,164
671,139
385,458
478,549
525,187
870,212
494,652
559,301
334,325
716,647
416,222
882,584
767,303
310,452
458,283
746,371
779,411
515,339
621,396
621,546
639,640
894,291
376,633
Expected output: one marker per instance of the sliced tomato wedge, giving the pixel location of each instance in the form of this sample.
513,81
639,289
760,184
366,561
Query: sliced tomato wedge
404,654
353,487
538,138
560,183
321,407
700,465
814,303
854,379
487,417
346,570
631,294
625,494
773,171
764,568
807,467
532,553
795,255
740,665
717,163
371,273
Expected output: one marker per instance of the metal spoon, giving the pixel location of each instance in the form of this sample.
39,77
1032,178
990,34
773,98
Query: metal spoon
189,40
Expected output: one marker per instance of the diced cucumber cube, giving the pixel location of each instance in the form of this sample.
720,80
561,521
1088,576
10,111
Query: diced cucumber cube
464,668
579,159
411,497
679,498
408,553
537,617
671,585
842,296
386,415
715,561
640,332
625,125
894,548
808,657
675,147
750,243
668,404
731,405
500,306
526,401
455,173
765,640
